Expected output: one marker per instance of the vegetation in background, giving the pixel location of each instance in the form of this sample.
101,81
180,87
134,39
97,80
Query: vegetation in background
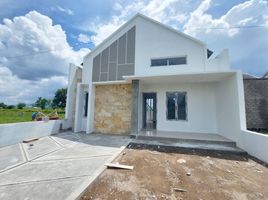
22,113
59,100
21,105
41,103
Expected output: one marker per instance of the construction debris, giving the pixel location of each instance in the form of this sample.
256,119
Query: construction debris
179,190
119,166
181,161
30,140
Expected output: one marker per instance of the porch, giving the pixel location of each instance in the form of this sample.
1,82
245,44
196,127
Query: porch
198,107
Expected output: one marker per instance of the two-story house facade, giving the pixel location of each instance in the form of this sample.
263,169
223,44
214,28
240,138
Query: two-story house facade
148,76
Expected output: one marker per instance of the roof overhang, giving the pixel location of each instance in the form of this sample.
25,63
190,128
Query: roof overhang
182,78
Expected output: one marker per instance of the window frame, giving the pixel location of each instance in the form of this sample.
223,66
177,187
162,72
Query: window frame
176,106
86,96
167,58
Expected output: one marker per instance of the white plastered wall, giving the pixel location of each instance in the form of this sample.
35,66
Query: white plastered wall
232,120
80,123
74,78
231,107
201,107
154,41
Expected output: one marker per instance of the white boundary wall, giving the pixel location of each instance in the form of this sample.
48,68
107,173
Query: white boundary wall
232,120
17,132
255,144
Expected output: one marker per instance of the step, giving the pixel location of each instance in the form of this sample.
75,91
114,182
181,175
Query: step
175,146
180,140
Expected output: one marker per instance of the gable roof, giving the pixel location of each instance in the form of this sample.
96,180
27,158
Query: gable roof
148,19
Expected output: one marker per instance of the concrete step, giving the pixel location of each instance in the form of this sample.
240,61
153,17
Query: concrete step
184,140
184,145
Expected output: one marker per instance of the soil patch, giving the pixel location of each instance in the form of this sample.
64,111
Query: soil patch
156,175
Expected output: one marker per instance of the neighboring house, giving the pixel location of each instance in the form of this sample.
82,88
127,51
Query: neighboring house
147,75
256,99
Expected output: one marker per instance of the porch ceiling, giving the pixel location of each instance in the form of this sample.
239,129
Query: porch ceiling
185,78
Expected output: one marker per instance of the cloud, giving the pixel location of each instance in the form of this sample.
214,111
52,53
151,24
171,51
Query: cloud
33,48
83,38
254,12
248,46
34,58
64,10
14,89
163,11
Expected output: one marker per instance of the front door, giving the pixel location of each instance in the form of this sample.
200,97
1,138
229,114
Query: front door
149,110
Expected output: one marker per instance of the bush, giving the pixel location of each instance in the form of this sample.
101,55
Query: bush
21,105
10,107
2,105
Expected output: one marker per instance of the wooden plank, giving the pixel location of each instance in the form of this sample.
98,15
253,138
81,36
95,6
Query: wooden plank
119,166
30,140
179,190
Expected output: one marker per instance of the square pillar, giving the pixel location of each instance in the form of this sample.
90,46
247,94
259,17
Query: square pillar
134,107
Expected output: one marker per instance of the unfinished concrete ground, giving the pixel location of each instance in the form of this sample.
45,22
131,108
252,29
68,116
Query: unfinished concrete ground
55,167
156,174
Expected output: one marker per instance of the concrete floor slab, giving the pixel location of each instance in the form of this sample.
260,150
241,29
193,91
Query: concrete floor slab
58,167
11,156
183,135
40,147
79,151
43,190
50,170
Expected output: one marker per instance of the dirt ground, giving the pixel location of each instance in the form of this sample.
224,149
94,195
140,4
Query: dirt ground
203,176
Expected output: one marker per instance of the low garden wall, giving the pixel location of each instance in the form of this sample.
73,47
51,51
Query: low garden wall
255,144
17,132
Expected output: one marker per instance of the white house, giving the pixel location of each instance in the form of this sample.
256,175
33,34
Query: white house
148,76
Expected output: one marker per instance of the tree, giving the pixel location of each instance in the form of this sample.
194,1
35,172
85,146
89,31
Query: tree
41,103
59,100
21,105
2,105
10,107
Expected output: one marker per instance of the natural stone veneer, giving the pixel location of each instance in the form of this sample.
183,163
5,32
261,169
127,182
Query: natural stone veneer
112,108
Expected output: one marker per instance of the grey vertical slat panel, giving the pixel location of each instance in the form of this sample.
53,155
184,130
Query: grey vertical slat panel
113,52
104,60
122,49
96,69
112,72
103,76
123,70
131,45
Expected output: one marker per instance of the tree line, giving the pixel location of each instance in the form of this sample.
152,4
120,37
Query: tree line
59,101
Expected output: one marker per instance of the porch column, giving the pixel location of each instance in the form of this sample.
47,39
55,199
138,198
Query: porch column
134,106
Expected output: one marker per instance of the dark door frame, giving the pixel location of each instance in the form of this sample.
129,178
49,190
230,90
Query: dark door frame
149,95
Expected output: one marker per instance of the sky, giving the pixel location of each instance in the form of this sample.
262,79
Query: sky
38,39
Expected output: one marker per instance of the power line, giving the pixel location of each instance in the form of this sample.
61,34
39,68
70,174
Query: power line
40,52
232,27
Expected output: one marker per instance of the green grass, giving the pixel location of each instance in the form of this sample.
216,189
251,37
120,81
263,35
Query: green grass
22,115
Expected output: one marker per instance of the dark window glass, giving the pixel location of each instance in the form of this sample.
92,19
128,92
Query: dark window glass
168,61
177,61
159,62
176,106
86,103
181,100
171,105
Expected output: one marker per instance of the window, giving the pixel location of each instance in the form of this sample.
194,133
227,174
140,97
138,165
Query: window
176,106
168,61
86,103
